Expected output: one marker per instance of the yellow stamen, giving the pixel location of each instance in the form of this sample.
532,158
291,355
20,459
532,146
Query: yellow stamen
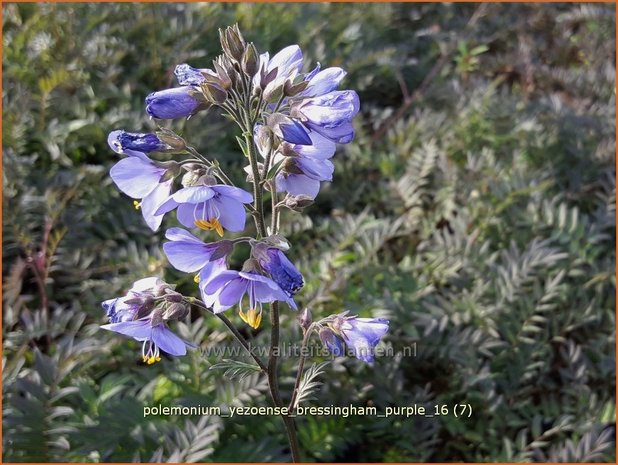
150,360
252,317
210,225
196,278
137,204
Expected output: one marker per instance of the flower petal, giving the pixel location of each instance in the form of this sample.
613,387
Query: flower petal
167,341
137,329
153,201
135,176
232,213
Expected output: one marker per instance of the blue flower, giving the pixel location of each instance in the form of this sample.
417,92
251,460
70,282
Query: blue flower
209,208
302,175
135,315
178,102
228,288
126,142
330,114
281,270
187,253
362,335
141,178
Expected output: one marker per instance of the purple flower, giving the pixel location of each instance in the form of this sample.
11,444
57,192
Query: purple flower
178,102
330,114
141,178
209,207
362,335
281,270
187,253
229,287
331,341
135,315
126,142
125,308
287,61
293,132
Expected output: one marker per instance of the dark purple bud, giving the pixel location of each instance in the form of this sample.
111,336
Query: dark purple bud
298,202
173,296
306,319
175,311
214,93
250,61
178,102
331,342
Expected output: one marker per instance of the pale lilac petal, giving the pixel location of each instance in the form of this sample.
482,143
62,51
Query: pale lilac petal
137,329
217,282
136,177
321,170
179,234
146,284
185,214
324,82
298,184
232,293
233,192
232,213
193,194
287,60
153,201
167,341
187,256
320,147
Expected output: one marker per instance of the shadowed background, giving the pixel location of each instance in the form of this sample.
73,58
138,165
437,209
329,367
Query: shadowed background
475,210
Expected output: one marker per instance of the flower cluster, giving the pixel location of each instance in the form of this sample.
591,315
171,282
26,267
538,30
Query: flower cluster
291,122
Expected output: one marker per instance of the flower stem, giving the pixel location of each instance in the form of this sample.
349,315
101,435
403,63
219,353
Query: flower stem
273,383
301,366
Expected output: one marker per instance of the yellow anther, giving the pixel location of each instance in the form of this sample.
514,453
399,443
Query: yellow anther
152,359
210,225
137,204
252,317
196,278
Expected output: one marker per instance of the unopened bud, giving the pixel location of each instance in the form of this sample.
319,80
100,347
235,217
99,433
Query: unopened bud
213,93
250,61
175,311
172,139
173,296
232,42
306,319
298,202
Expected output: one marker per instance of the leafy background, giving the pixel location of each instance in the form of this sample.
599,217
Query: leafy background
475,210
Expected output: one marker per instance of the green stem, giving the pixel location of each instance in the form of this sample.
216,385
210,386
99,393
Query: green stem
273,383
301,366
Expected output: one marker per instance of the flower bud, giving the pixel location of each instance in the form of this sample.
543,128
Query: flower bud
213,93
290,89
173,140
224,71
173,296
232,42
298,202
250,61
263,139
306,319
175,311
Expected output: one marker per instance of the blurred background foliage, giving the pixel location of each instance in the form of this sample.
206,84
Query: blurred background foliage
475,210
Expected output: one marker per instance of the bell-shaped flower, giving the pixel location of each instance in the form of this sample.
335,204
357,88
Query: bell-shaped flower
330,114
187,253
215,207
229,287
361,335
178,102
141,178
279,267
